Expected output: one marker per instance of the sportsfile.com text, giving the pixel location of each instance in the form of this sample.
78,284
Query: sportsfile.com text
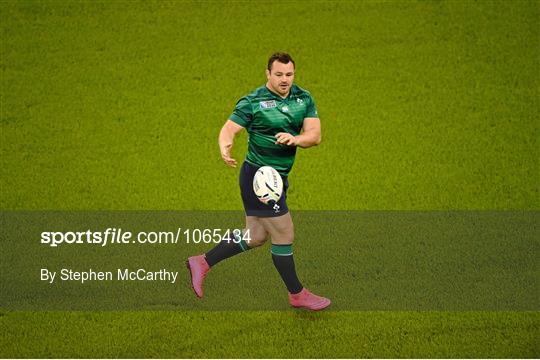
119,236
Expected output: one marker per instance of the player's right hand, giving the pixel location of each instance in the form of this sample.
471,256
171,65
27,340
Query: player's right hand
226,156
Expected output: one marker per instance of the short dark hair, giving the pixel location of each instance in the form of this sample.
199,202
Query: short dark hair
282,57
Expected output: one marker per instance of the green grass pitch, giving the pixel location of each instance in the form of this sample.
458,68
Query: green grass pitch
425,105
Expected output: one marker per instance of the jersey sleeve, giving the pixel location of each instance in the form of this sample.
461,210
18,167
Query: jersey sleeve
311,109
243,113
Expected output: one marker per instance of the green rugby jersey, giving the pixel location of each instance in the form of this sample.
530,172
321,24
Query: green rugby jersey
264,114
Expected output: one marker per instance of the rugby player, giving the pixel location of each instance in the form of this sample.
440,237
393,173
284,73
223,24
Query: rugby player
279,117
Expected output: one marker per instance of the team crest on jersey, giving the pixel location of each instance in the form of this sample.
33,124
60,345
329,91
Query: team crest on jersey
300,101
285,108
267,104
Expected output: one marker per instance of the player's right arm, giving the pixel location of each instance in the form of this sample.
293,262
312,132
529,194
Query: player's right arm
226,140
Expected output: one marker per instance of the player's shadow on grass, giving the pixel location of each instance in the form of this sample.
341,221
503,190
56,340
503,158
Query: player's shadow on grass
302,314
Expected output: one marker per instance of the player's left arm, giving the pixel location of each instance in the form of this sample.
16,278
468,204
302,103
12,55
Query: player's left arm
311,133
310,136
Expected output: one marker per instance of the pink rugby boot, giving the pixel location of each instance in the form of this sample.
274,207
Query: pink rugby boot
198,267
305,299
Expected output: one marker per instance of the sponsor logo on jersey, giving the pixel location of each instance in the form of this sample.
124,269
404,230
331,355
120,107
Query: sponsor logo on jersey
267,104
285,108
276,208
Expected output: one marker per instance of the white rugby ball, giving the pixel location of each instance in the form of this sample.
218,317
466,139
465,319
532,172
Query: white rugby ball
267,185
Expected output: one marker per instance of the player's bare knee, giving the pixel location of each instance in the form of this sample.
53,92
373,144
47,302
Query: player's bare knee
283,238
256,242
258,237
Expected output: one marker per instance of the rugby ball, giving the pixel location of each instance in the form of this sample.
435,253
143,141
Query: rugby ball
267,185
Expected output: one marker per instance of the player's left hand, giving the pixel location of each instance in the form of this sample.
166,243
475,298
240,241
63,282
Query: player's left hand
286,139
